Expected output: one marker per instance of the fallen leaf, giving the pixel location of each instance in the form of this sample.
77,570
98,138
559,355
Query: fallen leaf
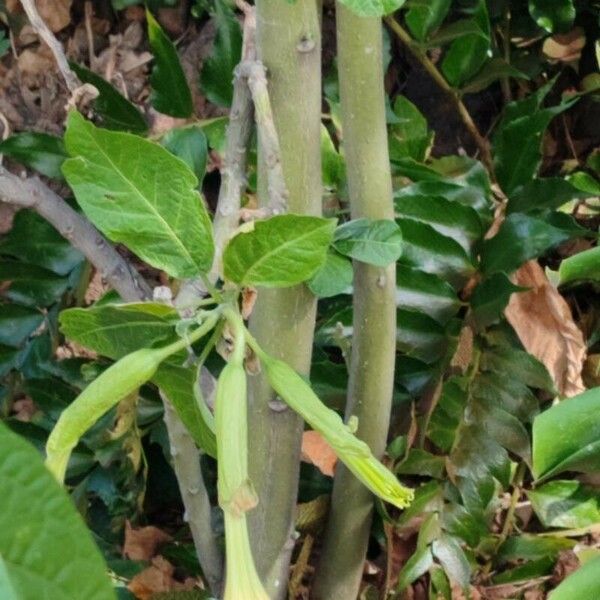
24,409
317,451
157,578
565,47
56,13
141,543
543,321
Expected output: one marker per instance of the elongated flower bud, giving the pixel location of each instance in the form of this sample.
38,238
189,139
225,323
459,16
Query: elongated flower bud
118,381
236,494
354,453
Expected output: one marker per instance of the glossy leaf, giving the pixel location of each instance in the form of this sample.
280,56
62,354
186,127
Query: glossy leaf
30,285
580,267
418,335
377,243
37,518
543,194
566,437
418,564
495,69
17,323
553,15
425,16
372,8
447,550
139,194
281,251
217,71
527,238
333,278
33,240
468,54
39,151
490,298
425,249
565,504
190,145
113,110
417,290
170,92
583,584
409,134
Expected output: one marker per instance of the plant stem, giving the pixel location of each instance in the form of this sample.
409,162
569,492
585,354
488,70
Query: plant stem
289,45
374,342
453,94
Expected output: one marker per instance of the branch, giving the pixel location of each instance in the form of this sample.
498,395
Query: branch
34,194
57,50
421,56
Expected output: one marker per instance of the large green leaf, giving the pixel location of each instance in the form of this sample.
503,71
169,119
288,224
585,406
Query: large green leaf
425,16
216,79
33,240
527,238
565,504
567,436
333,278
30,285
580,267
40,151
170,92
583,584
553,15
543,194
377,243
37,519
138,193
190,145
114,111
282,251
490,298
409,134
17,323
420,336
372,8
468,53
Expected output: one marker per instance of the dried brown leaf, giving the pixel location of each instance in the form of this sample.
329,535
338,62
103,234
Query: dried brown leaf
317,451
157,578
56,13
543,321
565,47
141,543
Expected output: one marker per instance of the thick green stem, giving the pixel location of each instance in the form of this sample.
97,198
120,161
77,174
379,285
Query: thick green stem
373,346
288,43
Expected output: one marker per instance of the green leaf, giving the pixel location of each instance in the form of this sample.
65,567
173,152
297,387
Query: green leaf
120,329
418,564
518,139
409,134
190,145
583,584
447,550
531,547
565,504
543,194
333,166
566,437
30,285
527,238
139,194
333,278
170,92
451,219
582,266
279,252
39,151
585,182
468,53
425,16
490,298
495,69
422,463
377,243
17,323
418,335
425,249
113,110
218,69
177,383
447,414
553,15
33,240
416,290
37,518
372,8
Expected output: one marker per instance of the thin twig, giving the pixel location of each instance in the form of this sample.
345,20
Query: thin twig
34,194
47,36
435,74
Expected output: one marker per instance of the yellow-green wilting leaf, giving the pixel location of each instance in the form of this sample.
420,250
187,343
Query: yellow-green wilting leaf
354,453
